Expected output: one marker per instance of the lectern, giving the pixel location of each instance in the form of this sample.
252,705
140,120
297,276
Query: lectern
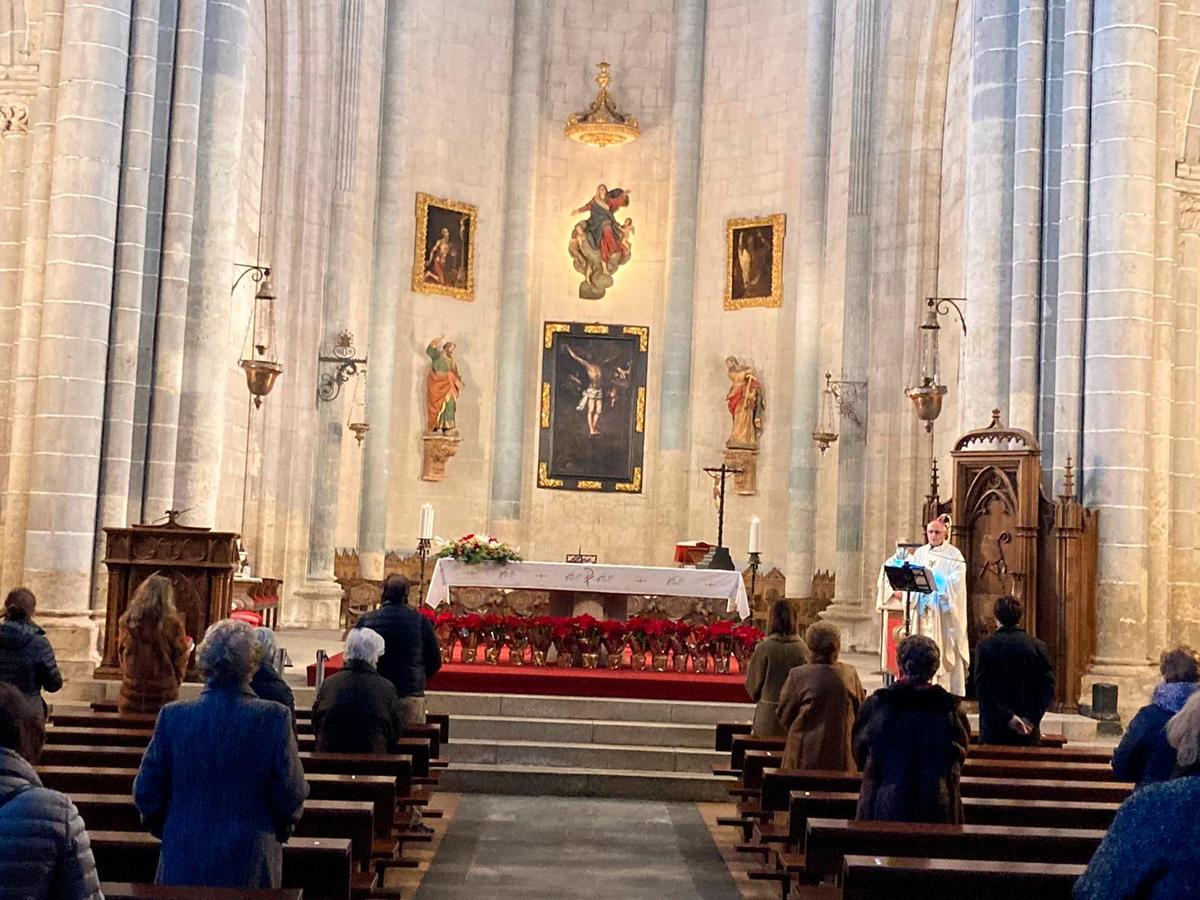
200,564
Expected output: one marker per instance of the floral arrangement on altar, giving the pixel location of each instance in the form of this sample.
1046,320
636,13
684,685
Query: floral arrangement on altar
479,548
587,642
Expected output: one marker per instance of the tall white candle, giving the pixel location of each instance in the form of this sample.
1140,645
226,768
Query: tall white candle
755,528
426,522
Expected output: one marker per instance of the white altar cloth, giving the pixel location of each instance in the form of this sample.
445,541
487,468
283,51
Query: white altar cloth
554,576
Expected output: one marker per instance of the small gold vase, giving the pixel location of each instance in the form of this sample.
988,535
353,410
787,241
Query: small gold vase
590,660
658,662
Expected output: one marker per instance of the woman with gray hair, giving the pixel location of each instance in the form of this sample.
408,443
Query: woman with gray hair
222,824
358,710
267,682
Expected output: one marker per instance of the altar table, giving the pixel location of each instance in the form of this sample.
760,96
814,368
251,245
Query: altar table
651,581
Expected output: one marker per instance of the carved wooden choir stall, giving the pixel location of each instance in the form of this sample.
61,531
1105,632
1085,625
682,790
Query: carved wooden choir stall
1017,540
200,564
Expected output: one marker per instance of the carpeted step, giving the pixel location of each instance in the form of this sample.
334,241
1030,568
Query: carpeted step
538,752
582,782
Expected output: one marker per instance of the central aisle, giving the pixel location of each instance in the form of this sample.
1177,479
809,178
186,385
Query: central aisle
576,847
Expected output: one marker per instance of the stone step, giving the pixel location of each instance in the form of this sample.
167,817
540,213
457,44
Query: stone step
595,756
583,731
538,780
596,708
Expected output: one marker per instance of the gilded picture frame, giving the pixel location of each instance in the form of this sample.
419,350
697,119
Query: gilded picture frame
754,261
444,248
592,410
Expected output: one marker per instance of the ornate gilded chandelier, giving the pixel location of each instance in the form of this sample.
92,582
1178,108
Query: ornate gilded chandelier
602,124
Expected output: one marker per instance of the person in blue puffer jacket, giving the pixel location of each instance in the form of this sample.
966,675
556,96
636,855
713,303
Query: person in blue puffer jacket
26,658
1143,755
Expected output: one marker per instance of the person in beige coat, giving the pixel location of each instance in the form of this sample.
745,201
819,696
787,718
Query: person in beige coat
153,649
818,705
776,655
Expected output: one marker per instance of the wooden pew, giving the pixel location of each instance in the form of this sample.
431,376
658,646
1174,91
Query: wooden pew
726,732
828,841
113,890
321,867
872,877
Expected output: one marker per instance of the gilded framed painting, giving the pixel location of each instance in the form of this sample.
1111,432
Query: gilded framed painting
754,261
444,250
592,415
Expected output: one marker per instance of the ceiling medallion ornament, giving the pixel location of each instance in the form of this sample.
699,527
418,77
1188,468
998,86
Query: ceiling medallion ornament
602,124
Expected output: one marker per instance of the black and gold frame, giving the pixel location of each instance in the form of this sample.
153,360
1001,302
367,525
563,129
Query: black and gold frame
592,414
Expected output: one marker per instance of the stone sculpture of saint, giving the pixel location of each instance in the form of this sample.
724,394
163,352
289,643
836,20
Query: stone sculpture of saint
746,405
600,244
442,386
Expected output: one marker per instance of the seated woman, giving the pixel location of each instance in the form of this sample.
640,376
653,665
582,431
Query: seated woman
776,655
910,741
357,710
1144,756
221,782
26,658
267,682
818,705
152,649
1152,849
44,848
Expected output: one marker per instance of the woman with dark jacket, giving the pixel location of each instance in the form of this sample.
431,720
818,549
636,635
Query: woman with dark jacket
357,710
26,658
44,848
267,682
152,649
1144,756
774,657
818,705
221,782
910,741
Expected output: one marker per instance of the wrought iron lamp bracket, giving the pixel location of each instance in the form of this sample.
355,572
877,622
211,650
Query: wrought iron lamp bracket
941,306
347,366
845,394
256,272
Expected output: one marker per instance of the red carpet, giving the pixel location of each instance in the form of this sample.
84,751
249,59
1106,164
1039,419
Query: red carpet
554,681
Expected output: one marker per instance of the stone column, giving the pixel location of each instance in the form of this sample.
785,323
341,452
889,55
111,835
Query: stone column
320,591
125,324
1185,571
1160,496
989,190
34,215
516,284
178,226
76,305
1027,216
849,608
810,231
1072,235
1119,332
208,358
393,201
674,435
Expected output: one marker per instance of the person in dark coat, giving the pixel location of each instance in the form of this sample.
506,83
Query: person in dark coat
357,710
1014,680
267,683
910,742
44,849
1144,756
221,782
26,658
411,653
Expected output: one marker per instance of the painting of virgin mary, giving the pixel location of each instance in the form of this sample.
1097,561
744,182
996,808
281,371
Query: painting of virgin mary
599,244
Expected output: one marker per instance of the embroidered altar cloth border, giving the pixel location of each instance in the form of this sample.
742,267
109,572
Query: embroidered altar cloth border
552,576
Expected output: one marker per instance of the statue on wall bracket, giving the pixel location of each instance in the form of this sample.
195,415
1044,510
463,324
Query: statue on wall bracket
599,244
442,387
746,404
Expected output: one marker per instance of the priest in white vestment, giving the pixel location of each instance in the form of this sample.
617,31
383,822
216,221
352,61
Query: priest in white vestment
942,614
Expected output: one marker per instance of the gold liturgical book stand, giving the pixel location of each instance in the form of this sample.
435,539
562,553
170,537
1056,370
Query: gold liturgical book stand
200,564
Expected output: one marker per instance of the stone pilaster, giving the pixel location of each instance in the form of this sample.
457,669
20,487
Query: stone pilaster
1027,216
989,226
76,304
176,261
674,433
516,283
393,201
208,360
849,608
808,295
1073,235
1119,339
1185,572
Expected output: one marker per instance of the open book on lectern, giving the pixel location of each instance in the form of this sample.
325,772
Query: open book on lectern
908,578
